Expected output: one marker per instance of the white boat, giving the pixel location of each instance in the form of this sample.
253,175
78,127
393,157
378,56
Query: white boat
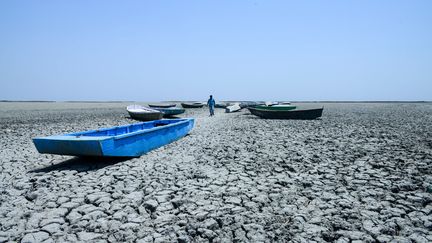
233,108
143,113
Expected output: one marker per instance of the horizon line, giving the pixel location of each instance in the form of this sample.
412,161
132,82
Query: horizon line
294,101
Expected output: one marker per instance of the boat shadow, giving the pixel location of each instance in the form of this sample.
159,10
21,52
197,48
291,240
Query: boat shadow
132,119
250,116
81,164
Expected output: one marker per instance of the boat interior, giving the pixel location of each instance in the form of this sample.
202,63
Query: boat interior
115,131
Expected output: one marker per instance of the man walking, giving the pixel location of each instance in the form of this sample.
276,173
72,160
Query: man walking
211,104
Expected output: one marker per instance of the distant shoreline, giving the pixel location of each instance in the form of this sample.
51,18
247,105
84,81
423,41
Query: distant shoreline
323,101
54,101
35,101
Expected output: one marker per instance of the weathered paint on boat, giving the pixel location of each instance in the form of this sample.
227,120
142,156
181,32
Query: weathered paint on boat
304,114
122,141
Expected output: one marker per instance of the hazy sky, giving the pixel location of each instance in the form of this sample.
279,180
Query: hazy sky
244,50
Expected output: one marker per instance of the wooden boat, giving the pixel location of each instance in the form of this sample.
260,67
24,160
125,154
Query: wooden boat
233,108
172,111
122,141
192,105
276,107
303,114
161,105
143,113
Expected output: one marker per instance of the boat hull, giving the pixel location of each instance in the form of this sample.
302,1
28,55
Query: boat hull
232,108
307,114
186,105
123,141
169,112
146,116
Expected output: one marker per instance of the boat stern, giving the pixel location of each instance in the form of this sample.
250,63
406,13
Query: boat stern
69,145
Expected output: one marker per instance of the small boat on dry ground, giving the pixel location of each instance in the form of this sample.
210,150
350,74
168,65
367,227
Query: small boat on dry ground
161,105
172,111
122,141
233,108
142,113
192,105
300,114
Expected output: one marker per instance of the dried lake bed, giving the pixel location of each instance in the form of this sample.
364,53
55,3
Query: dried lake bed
363,172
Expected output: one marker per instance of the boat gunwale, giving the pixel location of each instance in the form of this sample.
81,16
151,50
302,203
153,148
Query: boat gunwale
139,109
279,111
77,135
144,112
180,121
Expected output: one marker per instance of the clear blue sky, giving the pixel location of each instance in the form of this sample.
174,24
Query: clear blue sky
244,50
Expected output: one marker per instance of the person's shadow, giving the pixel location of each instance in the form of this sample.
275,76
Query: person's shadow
81,164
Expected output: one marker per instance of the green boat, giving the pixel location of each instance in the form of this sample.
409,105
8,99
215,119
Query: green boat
302,114
276,107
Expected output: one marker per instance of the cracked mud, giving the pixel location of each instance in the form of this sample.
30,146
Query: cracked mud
361,173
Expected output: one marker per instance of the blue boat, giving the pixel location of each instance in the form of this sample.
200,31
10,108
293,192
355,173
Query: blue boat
122,141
